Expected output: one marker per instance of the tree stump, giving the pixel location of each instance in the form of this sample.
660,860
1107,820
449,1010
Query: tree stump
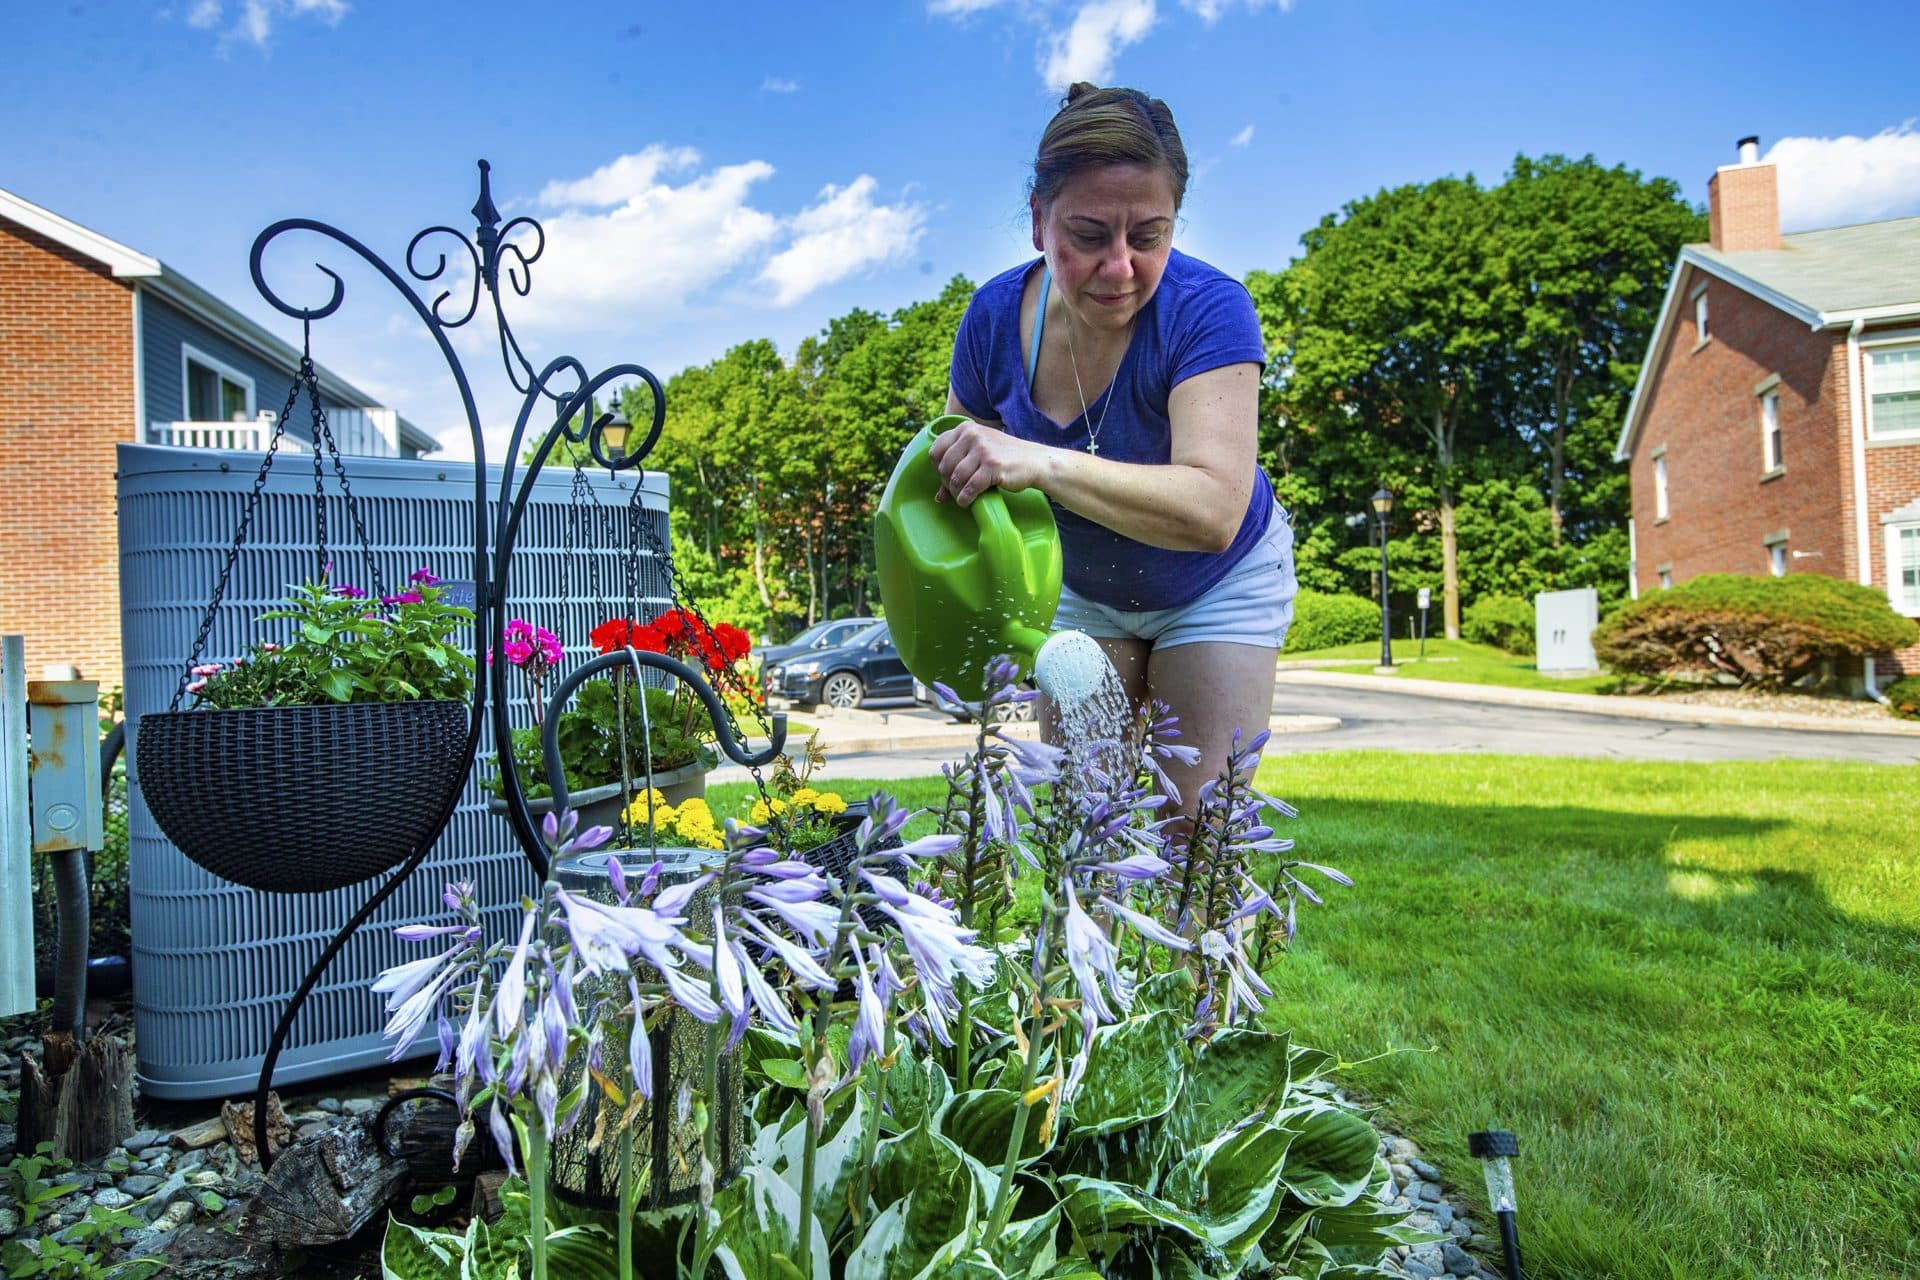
324,1189
78,1095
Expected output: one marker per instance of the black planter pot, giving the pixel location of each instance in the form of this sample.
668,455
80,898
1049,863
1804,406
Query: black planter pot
302,799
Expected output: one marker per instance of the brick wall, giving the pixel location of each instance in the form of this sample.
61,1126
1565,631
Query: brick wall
66,399
1704,411
1893,481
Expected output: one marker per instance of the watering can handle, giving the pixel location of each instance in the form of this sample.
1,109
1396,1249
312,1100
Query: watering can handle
1000,542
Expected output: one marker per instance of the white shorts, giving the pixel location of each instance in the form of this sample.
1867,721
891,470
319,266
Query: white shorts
1251,605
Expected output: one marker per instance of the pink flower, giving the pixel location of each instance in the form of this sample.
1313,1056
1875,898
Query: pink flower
423,578
518,651
350,592
195,686
207,669
405,597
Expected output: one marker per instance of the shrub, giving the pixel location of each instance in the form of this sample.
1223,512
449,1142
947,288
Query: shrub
1903,698
1764,632
1324,621
1505,622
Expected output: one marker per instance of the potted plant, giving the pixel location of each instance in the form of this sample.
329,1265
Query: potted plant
322,756
618,737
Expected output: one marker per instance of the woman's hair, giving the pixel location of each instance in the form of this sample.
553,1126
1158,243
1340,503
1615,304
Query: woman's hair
1096,127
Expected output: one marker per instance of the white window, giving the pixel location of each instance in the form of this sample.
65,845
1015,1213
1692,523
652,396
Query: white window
1893,392
1660,486
1903,568
1666,579
1777,559
1773,454
1700,316
213,392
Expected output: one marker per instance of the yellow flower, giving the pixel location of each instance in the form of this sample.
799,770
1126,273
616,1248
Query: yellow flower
829,802
761,812
648,805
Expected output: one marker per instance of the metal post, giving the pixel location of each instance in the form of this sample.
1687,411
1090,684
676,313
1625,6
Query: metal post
16,835
67,823
1386,611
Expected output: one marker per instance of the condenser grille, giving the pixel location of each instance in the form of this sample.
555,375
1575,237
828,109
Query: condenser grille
215,963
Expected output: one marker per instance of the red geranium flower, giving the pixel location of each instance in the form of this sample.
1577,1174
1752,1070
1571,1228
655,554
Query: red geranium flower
620,633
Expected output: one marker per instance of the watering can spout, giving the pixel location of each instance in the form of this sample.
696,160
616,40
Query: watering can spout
963,585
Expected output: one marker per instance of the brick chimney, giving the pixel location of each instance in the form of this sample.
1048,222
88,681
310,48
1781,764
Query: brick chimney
1743,203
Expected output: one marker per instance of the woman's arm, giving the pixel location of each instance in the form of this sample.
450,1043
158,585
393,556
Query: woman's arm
1195,502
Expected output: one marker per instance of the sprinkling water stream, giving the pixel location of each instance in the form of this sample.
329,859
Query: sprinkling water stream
1088,697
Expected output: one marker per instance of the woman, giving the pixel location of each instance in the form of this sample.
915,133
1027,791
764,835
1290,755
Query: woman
1122,378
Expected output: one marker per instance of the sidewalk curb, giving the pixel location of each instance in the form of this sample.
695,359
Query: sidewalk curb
1634,707
838,736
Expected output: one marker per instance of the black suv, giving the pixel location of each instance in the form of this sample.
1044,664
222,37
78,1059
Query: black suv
821,635
846,675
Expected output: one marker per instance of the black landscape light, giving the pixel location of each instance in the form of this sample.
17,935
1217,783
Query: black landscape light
1493,1149
614,432
1382,508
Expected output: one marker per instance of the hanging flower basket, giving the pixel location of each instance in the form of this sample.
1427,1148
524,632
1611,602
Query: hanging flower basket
302,799
600,806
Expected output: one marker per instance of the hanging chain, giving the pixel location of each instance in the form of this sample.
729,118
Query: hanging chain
249,506
321,431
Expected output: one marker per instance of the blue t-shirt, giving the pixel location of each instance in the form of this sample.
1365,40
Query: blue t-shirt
1199,318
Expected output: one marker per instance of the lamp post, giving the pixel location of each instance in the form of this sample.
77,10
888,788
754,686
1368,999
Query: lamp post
1493,1149
1382,508
615,430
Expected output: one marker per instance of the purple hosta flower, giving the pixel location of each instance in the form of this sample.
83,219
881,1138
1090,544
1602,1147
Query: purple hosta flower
348,592
1225,949
559,831
1134,867
809,918
639,1050
1093,960
1147,927
804,967
870,1020
423,578
413,992
509,1002
502,1134
941,950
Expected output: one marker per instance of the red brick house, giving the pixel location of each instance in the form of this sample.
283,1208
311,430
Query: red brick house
102,345
1776,424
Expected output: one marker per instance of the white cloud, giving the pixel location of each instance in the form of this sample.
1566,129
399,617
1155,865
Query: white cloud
1827,182
842,233
1210,10
1242,138
627,178
959,8
775,84
1087,48
253,22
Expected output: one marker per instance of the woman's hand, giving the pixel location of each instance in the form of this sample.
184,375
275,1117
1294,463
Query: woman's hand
971,457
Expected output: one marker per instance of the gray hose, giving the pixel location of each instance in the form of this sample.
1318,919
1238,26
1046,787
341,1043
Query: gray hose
70,971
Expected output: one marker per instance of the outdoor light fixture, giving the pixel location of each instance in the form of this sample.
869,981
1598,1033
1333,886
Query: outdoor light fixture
1382,508
1493,1149
615,430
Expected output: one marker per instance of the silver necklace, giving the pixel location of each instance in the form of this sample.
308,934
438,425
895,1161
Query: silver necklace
1093,428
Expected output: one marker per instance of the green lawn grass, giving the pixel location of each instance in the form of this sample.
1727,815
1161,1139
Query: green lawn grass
1458,661
1690,990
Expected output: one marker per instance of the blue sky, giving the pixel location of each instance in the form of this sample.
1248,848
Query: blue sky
719,172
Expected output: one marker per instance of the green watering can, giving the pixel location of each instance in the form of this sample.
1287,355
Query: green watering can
963,585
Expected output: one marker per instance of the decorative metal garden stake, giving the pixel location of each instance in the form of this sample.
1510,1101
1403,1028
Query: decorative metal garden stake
1383,507
1493,1149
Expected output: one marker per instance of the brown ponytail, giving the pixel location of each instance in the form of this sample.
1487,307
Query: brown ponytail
1096,127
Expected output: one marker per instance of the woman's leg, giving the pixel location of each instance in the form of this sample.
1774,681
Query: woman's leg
1129,658
1215,689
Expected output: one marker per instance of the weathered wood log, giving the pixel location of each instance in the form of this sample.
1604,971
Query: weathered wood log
325,1188
237,1117
78,1095
486,1204
201,1134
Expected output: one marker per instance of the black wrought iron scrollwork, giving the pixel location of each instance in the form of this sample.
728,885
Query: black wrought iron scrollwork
439,268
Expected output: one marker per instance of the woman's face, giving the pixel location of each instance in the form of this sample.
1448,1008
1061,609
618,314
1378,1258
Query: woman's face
1107,236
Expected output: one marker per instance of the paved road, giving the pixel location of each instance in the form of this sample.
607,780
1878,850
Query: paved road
1399,721
1389,720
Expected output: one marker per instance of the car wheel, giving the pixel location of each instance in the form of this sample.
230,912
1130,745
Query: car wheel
842,689
1022,712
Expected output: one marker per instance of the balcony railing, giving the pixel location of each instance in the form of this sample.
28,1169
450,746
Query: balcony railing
370,433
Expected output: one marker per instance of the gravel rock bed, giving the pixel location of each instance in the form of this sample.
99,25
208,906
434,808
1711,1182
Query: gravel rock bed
1803,704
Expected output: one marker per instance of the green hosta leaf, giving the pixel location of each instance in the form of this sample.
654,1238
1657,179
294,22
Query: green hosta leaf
1332,1157
492,1254
834,1158
1234,1185
872,1258
944,1187
1365,1224
981,1123
786,1072
1105,1214
1134,1073
1237,1075
420,1253
1309,1062
1027,1248
763,1232
914,1090
583,1253
1171,990
1136,1157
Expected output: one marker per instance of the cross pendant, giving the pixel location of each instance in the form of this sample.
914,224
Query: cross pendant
1093,447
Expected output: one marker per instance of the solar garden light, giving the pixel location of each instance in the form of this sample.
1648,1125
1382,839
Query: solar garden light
1493,1149
1382,508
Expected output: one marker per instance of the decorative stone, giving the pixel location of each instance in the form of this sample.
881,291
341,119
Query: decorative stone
1443,1216
329,1105
360,1106
145,1138
9,1220
1424,1169
140,1184
1459,1262
1404,1150
1429,1192
112,1198
1402,1172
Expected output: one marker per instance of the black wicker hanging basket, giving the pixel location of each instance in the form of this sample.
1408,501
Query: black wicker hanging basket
302,799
